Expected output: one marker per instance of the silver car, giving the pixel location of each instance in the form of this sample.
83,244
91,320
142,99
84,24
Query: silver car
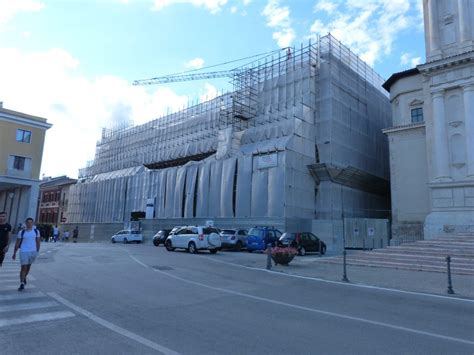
234,238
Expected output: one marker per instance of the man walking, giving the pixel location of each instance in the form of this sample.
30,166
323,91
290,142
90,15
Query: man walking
75,234
28,241
5,232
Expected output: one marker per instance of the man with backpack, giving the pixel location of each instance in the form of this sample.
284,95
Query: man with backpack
28,241
5,231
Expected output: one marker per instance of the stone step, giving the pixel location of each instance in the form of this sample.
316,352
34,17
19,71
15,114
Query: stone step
422,251
401,266
401,258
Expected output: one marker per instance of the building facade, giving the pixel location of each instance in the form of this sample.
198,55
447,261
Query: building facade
299,138
432,140
22,139
54,199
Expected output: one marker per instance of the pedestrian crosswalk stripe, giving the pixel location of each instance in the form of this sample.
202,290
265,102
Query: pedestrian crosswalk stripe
21,296
38,317
26,306
14,287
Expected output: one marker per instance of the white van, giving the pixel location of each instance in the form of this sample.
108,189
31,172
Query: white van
194,238
127,236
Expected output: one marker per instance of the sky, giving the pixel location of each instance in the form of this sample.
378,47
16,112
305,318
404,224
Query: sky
73,62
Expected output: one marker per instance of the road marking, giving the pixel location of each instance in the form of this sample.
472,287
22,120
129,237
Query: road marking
14,287
318,311
113,327
21,296
27,306
450,298
40,317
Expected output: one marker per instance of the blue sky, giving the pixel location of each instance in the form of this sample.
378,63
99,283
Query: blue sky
73,61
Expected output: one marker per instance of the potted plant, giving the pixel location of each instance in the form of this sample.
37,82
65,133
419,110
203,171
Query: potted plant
283,255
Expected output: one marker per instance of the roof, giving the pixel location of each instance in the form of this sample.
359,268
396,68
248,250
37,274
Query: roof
396,76
57,181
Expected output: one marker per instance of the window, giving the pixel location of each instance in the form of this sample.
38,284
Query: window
23,136
19,163
417,115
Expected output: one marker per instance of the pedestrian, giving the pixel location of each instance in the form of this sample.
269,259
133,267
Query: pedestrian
5,232
55,233
66,235
75,234
28,241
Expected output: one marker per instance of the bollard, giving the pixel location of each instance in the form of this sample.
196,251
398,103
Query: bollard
344,276
450,285
381,243
269,256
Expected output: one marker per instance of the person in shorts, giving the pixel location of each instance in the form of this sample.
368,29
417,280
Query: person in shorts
5,231
28,242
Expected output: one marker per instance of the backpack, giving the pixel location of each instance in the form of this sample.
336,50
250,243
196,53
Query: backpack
23,232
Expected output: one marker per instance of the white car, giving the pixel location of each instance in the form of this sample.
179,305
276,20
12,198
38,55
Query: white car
194,238
127,236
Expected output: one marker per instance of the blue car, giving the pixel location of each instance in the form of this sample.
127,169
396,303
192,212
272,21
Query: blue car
259,237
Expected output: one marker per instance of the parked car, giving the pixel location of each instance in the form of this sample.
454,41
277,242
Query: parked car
127,236
303,242
258,237
160,237
234,238
194,238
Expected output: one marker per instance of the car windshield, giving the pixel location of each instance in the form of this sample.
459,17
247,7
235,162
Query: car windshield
257,232
228,231
287,236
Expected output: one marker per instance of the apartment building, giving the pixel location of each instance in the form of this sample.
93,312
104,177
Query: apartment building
22,139
53,200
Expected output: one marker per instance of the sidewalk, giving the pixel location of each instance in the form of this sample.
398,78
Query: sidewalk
416,281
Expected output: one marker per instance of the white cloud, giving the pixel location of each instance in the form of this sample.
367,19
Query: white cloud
279,18
9,8
369,27
326,5
48,84
407,58
196,63
214,6
210,93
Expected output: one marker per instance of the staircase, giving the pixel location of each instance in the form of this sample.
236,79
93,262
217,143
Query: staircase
423,255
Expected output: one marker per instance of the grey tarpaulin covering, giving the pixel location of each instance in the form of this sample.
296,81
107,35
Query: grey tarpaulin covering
179,191
276,188
227,188
215,188
244,183
259,192
170,188
190,188
203,190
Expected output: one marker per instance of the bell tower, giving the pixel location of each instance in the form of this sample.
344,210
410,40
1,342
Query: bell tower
449,28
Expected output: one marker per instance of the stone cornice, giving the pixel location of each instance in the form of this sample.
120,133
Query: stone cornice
403,127
464,183
458,59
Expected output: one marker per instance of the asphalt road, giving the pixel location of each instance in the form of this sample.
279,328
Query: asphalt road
139,299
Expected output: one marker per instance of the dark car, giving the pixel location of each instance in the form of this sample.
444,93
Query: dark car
160,237
259,237
304,242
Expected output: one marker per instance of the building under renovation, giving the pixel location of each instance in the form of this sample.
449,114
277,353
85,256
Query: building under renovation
298,138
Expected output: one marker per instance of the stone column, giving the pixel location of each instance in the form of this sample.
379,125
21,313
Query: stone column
32,199
434,32
440,139
468,94
464,24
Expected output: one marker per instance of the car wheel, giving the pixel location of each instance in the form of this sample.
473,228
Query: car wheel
125,240
113,240
168,245
323,250
238,246
156,243
302,251
139,241
213,251
249,250
192,248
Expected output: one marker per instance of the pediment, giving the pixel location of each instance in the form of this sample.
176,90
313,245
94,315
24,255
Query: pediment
416,102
